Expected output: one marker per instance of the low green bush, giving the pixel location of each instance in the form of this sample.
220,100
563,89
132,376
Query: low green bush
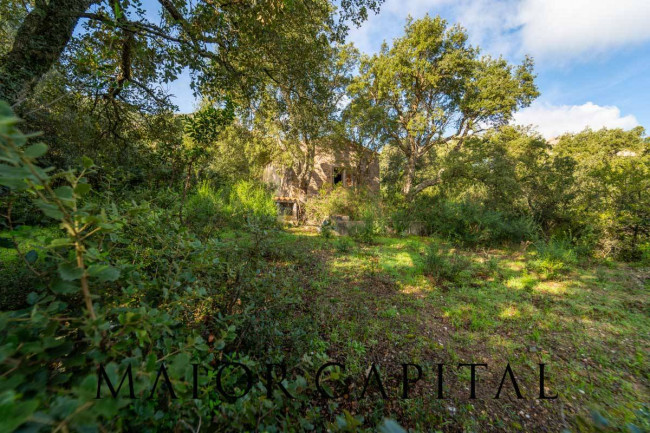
357,203
554,257
209,209
206,210
399,220
445,266
326,229
344,244
465,222
248,198
371,228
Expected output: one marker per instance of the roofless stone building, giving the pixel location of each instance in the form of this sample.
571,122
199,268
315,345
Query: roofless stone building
347,166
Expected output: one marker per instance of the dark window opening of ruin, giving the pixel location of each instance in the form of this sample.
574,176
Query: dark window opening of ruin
338,176
285,209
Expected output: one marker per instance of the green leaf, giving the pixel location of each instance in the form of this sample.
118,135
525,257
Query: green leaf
15,413
64,193
32,298
104,272
86,162
60,242
36,150
50,209
64,287
70,272
82,188
390,426
31,256
5,110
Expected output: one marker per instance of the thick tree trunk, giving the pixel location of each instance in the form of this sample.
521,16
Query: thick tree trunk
305,176
409,176
40,40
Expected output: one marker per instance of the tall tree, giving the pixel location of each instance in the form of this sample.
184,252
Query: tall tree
612,186
302,118
434,89
122,54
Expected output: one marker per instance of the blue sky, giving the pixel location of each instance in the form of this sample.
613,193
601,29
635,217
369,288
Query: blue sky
592,57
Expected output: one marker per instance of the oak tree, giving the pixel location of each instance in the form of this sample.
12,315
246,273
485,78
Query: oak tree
433,89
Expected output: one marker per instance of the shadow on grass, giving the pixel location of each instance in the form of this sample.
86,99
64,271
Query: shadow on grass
588,324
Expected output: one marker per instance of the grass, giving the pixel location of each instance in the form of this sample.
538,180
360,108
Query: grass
588,323
364,303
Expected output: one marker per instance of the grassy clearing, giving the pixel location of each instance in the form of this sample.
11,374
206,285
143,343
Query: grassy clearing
383,303
589,324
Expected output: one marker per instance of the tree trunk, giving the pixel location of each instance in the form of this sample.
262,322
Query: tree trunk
305,176
39,42
409,176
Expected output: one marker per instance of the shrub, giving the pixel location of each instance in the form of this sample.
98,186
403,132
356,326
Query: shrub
344,244
466,222
251,198
645,253
554,256
370,228
206,210
209,209
326,229
356,203
126,285
446,266
400,220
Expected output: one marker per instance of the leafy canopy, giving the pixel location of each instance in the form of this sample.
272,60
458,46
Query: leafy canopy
432,88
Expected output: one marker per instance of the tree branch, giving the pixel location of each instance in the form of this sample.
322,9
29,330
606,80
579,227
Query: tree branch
426,184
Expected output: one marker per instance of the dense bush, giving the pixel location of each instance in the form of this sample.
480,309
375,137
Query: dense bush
465,222
612,191
445,266
554,256
511,185
205,210
344,244
357,203
209,209
126,284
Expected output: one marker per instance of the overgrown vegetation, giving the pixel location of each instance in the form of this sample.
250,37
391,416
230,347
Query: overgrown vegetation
135,238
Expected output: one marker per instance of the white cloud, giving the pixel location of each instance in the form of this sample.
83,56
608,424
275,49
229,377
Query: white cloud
554,120
553,31
561,29
491,24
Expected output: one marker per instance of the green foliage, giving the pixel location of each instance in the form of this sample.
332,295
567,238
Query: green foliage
358,204
251,199
466,222
554,257
433,62
326,229
372,226
205,125
244,202
446,266
206,211
343,244
124,284
612,195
